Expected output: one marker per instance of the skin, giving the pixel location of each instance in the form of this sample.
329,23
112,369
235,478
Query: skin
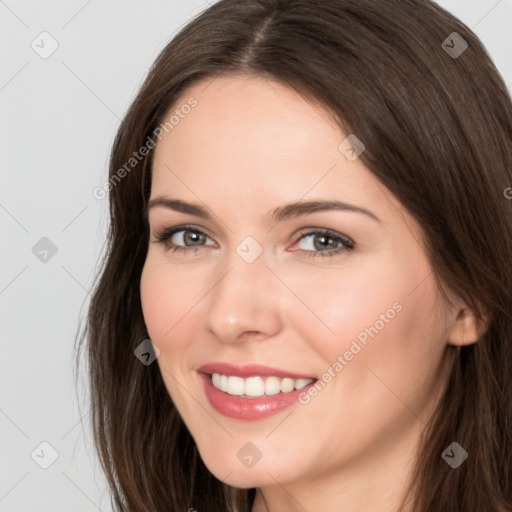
251,145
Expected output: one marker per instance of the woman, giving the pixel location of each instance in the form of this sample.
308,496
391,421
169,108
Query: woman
306,298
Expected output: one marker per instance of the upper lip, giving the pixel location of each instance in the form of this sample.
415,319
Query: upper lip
249,370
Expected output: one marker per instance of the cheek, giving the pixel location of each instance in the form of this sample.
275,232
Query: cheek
167,297
346,304
381,315
398,339
154,300
391,344
167,301
172,301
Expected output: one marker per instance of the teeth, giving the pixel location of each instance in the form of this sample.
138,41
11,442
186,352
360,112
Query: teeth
236,385
223,383
272,386
257,386
254,386
300,383
287,385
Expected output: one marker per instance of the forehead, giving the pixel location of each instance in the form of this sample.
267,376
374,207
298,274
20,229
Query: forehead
258,143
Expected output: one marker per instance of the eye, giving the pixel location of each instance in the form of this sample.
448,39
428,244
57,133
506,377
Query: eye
187,238
321,239
171,237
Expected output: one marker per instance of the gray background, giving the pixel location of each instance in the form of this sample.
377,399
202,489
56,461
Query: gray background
59,114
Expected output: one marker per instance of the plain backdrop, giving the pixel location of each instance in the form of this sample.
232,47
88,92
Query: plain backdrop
69,72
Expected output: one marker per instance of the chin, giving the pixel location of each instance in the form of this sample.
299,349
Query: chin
232,471
244,478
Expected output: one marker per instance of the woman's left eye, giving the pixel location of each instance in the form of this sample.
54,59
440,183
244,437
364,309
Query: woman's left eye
320,240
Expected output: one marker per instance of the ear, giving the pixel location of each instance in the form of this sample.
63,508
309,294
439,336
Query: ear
466,328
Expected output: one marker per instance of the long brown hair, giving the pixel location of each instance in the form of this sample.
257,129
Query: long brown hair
437,127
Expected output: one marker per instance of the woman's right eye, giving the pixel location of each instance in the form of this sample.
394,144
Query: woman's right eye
176,238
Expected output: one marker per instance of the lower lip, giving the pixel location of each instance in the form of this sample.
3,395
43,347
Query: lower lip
249,408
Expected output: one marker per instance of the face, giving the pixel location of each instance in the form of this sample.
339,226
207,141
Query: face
343,296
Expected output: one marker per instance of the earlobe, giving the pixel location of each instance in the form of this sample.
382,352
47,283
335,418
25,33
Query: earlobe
466,328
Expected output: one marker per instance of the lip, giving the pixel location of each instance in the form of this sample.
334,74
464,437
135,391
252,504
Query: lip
250,370
250,409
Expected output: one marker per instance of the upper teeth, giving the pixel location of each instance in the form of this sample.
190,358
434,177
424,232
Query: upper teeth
257,386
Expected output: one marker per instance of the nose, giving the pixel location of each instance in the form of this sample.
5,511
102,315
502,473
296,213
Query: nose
244,302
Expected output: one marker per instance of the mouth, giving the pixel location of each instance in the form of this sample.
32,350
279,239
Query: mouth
257,385
251,392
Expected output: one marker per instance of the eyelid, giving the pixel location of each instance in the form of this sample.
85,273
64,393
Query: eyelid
172,230
304,232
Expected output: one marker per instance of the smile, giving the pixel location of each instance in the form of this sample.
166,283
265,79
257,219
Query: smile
257,386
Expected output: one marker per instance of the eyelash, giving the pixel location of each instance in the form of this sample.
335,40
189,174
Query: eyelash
347,244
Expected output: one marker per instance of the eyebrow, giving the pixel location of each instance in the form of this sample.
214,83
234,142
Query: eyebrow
276,215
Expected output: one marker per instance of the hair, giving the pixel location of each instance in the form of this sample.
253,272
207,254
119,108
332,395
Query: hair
437,131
